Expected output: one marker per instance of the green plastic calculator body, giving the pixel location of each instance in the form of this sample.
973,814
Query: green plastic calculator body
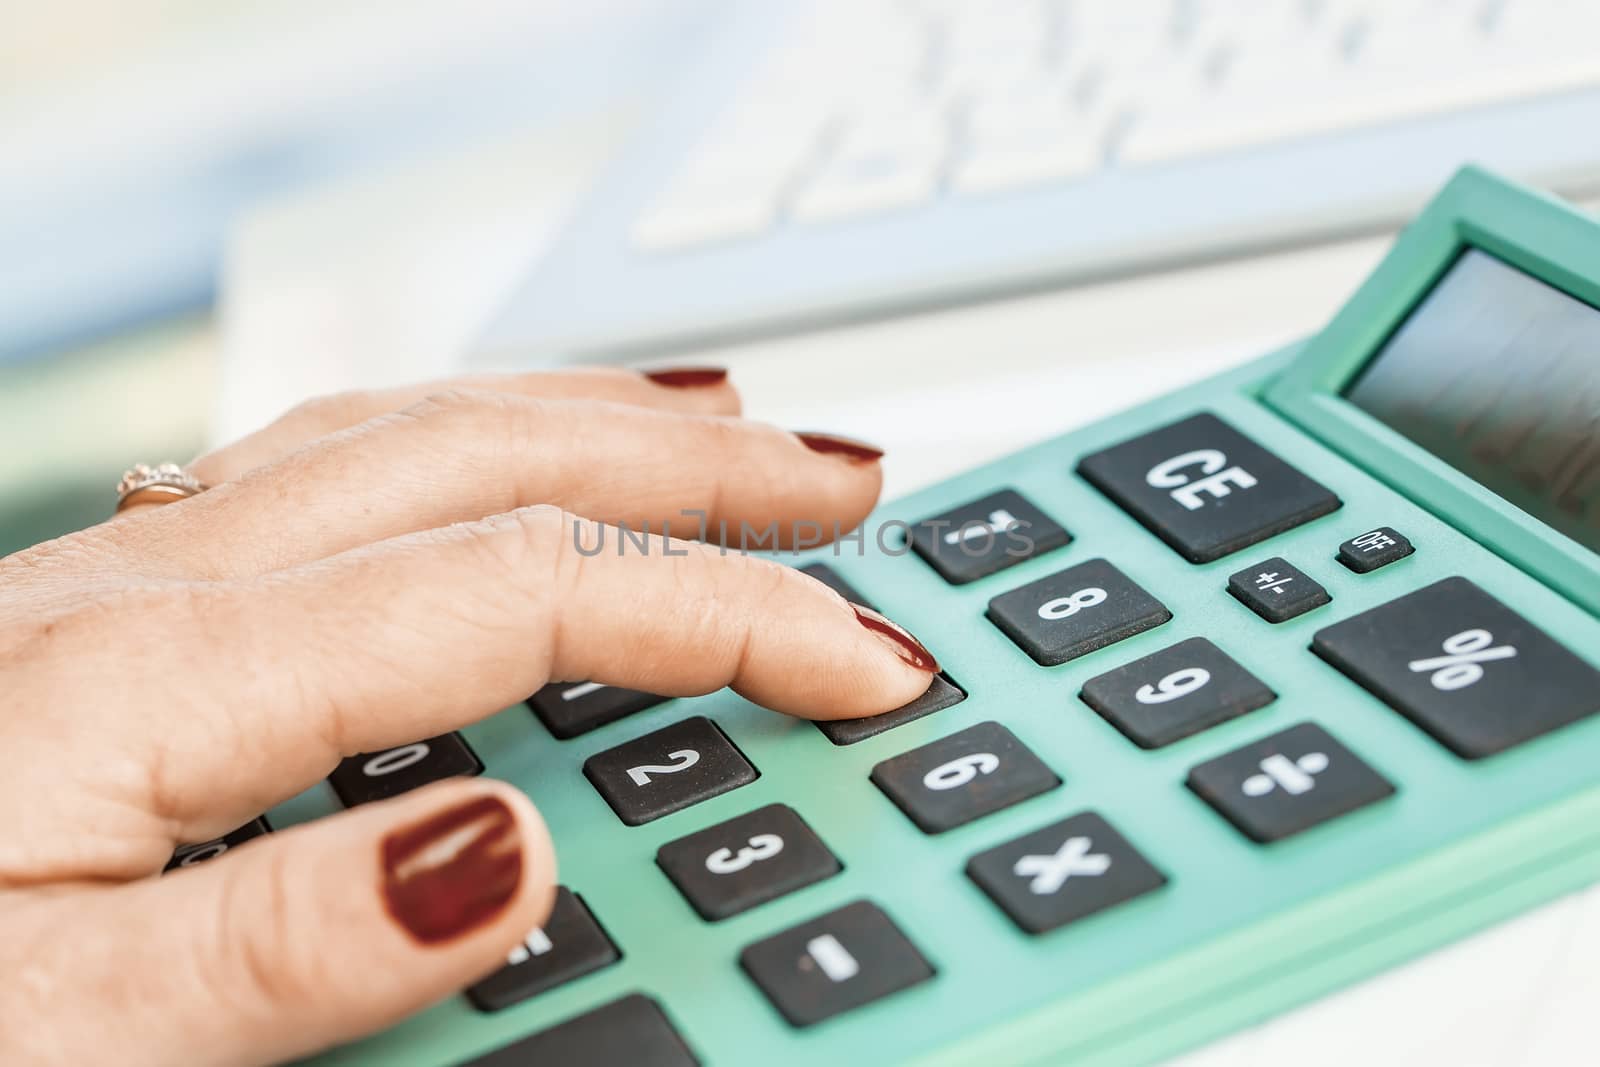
1447,822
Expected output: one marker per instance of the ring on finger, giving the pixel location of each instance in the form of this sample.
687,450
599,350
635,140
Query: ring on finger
163,483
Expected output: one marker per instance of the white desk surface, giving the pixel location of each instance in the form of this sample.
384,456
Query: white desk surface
374,283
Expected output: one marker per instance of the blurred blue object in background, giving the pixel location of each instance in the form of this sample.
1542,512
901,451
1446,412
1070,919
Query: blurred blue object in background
123,173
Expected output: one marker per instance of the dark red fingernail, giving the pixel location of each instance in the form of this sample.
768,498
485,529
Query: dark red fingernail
688,377
896,637
453,872
834,445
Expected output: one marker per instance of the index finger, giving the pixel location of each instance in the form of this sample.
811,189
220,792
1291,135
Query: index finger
422,634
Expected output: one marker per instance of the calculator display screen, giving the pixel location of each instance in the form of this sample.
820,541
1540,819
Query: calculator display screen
1498,374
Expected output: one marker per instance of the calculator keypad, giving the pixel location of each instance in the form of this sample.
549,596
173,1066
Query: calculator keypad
748,860
954,780
1181,690
1376,548
834,963
1075,612
380,775
631,1030
940,695
569,709
1277,590
1204,488
569,945
1464,667
1063,873
1289,782
668,770
189,855
984,536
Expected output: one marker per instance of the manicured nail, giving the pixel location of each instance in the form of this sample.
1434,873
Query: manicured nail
688,377
895,636
453,872
834,445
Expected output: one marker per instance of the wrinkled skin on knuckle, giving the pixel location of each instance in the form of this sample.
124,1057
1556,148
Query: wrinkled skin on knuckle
485,438
522,548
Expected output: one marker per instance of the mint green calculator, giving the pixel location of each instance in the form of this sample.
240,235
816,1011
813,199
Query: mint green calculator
1249,692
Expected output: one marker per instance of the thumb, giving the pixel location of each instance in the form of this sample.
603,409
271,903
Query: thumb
320,934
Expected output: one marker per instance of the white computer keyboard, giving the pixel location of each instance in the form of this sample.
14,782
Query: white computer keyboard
870,106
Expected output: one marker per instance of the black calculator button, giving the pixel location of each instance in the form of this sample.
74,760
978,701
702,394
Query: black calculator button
956,779
568,709
1204,488
1062,873
942,694
1277,590
834,963
632,1031
189,855
835,581
1373,549
1287,783
668,770
570,944
1081,609
746,861
1460,664
985,536
1181,690
379,775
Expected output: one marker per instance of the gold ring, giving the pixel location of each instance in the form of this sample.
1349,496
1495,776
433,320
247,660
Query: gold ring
161,484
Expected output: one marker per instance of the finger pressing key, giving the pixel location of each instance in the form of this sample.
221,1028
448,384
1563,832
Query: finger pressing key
425,633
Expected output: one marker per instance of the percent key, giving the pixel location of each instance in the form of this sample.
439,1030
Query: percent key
1463,666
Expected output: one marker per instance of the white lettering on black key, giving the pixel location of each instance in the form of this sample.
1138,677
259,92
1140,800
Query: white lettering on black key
834,963
984,536
1062,873
1287,783
569,709
1376,548
569,945
1277,590
1181,690
668,770
632,1030
746,861
189,855
1204,488
379,775
954,780
1464,667
1075,612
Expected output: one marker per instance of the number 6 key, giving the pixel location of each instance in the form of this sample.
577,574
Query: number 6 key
970,774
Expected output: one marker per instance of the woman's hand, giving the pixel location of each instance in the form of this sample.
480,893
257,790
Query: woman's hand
370,570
